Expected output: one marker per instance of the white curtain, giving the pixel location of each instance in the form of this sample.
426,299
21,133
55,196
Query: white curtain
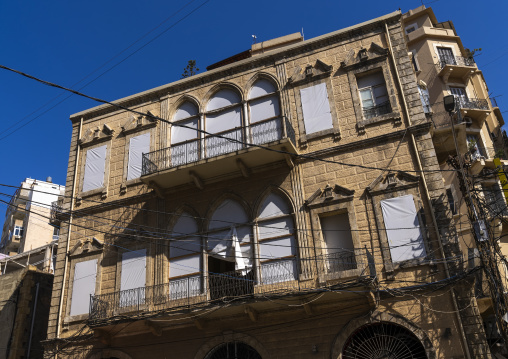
137,146
264,108
316,108
83,286
95,165
224,120
222,99
403,228
260,88
181,134
133,270
185,110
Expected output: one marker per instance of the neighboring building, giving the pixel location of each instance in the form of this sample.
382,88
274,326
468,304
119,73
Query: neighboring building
24,310
443,66
301,212
27,217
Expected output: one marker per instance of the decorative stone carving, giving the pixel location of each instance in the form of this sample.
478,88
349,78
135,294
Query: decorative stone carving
363,56
86,246
310,73
329,195
97,134
392,181
137,122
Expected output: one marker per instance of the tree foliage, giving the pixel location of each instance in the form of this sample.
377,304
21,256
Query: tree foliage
190,70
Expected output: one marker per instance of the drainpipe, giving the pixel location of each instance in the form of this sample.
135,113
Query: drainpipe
69,230
427,196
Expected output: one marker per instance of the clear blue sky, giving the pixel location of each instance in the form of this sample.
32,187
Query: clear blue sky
64,41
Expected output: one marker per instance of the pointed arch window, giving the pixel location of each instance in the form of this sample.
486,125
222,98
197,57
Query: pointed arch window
224,117
185,259
277,244
185,144
264,112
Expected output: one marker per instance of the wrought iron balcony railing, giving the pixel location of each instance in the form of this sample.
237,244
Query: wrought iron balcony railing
212,146
455,61
493,101
278,277
378,110
472,103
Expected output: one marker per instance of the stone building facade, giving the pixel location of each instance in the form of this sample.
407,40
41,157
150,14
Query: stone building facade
288,203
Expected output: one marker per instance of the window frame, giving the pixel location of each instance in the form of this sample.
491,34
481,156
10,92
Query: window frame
408,27
134,181
334,130
100,190
98,279
379,64
379,190
258,241
320,206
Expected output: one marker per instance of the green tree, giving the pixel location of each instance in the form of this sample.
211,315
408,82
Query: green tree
190,70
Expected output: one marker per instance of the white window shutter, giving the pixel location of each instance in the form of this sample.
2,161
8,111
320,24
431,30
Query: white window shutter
316,108
83,285
137,146
95,165
403,228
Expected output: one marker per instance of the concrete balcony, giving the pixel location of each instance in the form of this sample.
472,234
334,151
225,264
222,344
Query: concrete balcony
278,278
442,136
211,156
433,32
456,67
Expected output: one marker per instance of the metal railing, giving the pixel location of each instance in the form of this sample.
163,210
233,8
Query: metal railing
378,110
455,60
471,103
278,277
493,101
212,146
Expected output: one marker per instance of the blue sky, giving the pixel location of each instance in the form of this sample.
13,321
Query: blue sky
65,41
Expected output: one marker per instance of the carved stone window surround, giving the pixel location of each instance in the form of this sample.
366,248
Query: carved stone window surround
309,76
331,201
367,61
83,251
393,185
103,191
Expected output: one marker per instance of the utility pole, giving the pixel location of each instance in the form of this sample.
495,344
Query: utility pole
482,232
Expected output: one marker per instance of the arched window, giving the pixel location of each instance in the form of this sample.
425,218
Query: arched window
233,350
185,259
229,248
277,245
185,140
224,117
383,340
264,110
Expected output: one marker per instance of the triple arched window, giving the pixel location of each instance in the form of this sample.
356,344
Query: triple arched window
224,115
237,250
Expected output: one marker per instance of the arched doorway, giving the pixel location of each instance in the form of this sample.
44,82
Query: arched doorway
383,341
233,350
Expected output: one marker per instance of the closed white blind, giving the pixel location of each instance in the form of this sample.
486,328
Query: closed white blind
316,108
137,146
83,285
403,228
95,164
133,270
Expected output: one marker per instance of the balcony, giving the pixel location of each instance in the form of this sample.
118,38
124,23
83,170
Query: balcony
235,151
378,110
442,134
473,109
277,278
456,67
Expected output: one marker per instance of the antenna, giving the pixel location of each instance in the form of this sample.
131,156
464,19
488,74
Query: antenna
254,38
303,34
